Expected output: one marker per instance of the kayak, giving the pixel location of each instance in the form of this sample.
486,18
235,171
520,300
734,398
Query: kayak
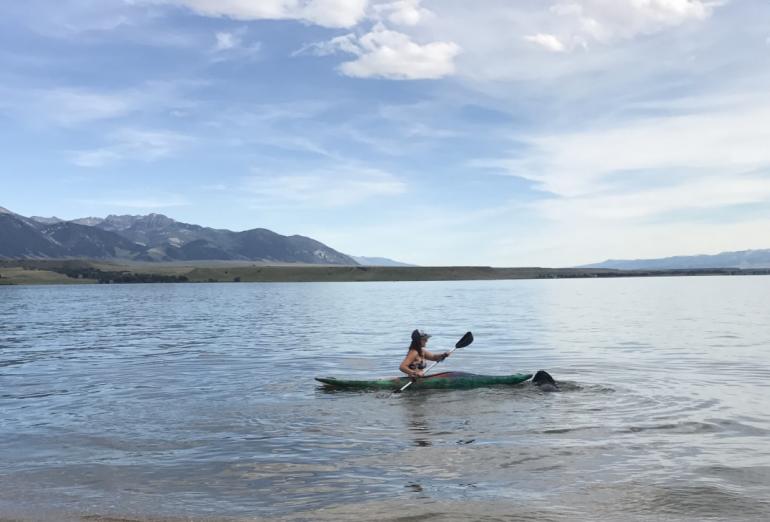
446,380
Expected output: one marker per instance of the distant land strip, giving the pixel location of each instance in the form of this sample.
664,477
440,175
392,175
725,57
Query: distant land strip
85,271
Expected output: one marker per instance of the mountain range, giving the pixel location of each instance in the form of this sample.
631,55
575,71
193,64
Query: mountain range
153,237
156,237
741,259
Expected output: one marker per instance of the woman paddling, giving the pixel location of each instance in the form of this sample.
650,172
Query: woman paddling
414,362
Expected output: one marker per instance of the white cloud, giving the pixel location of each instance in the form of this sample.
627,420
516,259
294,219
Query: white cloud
402,12
67,18
95,158
231,45
333,188
79,107
663,168
132,144
548,41
226,41
382,53
603,21
335,13
695,193
69,107
503,40
495,34
327,13
732,140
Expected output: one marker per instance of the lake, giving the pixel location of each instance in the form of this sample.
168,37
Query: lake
197,401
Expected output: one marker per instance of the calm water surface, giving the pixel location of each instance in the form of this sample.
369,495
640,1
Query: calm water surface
198,401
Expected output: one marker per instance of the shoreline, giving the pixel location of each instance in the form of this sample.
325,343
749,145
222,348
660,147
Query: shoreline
81,271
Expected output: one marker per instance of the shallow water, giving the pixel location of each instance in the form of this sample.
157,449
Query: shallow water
198,401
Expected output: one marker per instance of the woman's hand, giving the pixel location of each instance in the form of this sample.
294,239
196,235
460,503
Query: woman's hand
443,356
418,373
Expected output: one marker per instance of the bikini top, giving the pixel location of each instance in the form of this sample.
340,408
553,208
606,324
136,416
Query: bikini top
418,364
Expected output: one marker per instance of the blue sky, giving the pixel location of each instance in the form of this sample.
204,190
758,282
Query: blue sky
496,132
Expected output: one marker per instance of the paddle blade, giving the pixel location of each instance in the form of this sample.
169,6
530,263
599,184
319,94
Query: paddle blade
465,340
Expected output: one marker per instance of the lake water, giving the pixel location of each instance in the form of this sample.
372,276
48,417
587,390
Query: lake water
197,402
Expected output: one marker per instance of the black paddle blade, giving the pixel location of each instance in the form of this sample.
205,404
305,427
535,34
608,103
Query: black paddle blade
465,340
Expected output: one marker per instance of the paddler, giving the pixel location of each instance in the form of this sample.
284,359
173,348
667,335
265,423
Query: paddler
414,362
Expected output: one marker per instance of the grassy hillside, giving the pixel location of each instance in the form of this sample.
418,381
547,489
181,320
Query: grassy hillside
23,276
83,271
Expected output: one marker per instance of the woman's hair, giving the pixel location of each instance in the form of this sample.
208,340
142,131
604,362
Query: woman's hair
416,345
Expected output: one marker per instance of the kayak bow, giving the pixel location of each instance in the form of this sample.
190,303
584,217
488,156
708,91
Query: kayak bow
446,380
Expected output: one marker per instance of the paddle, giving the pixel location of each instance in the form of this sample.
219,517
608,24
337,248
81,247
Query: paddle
464,341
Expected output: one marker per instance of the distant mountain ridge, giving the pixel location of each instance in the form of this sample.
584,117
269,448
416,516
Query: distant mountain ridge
378,261
740,259
153,237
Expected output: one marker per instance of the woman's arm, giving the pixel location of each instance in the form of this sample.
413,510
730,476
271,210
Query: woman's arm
409,359
435,356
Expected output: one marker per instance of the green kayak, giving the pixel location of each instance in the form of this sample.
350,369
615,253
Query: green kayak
446,380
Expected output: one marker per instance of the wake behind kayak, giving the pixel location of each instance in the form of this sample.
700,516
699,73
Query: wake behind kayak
446,380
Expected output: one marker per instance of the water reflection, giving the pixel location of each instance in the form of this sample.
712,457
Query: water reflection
414,406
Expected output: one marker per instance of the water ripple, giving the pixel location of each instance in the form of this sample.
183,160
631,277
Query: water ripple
198,401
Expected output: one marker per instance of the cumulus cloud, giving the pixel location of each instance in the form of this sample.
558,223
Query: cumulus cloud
333,188
383,53
327,13
402,12
548,41
504,40
583,22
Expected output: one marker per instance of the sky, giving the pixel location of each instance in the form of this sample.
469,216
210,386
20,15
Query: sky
447,132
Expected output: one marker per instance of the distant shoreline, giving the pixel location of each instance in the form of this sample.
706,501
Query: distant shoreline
23,272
